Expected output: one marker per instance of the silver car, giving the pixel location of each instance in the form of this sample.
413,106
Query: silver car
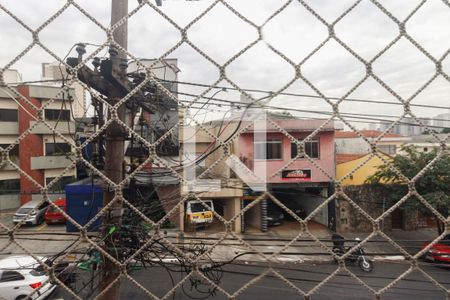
36,211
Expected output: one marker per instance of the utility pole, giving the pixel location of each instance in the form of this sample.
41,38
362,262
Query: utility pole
115,142
110,79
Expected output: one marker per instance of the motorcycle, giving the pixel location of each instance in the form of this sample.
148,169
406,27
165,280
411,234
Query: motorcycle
356,257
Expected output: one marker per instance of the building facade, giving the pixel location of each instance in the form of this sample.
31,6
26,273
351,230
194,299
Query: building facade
41,154
349,142
298,182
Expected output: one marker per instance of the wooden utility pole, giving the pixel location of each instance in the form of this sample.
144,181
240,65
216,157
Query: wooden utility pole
115,144
109,78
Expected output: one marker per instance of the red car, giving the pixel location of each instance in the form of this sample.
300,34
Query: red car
439,252
54,216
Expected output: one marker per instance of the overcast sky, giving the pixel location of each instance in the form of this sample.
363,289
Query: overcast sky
294,32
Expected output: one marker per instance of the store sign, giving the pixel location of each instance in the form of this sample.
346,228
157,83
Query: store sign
301,174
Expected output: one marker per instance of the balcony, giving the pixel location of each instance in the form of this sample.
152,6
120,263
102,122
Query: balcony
63,127
49,92
51,162
11,128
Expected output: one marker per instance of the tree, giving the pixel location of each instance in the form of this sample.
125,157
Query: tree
433,185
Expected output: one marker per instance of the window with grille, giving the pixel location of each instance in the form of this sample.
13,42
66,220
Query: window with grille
312,149
273,149
9,186
14,151
57,149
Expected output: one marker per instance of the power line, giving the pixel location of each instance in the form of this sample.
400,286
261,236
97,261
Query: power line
369,117
307,95
274,93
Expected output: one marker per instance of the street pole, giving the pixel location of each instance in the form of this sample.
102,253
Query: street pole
115,141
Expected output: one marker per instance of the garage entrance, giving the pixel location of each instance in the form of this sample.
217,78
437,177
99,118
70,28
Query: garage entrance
301,203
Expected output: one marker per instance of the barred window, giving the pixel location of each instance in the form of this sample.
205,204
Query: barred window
312,149
57,148
9,186
272,147
14,151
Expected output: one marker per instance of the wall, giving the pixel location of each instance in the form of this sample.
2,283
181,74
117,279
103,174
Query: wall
29,147
52,197
231,208
355,146
9,202
311,203
326,158
169,196
252,217
360,146
360,175
9,174
369,198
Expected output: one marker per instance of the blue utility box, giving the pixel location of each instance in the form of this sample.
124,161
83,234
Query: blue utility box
84,199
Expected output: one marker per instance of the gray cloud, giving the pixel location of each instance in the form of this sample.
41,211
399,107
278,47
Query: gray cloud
295,32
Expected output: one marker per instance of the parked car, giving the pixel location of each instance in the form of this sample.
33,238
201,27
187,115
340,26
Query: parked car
296,208
53,215
37,215
275,216
19,278
439,252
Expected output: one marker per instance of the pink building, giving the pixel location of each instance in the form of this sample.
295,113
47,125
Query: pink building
301,183
282,163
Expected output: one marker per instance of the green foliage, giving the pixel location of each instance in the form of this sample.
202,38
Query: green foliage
433,184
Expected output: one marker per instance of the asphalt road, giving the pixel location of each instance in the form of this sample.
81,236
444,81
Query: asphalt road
47,240
159,281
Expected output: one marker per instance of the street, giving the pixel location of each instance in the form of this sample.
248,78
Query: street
160,281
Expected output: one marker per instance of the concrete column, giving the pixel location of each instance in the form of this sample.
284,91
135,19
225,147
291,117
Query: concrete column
236,210
181,220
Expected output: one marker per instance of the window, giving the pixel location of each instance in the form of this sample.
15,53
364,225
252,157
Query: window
9,186
311,149
14,151
388,149
57,114
272,147
57,148
60,184
8,115
11,276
